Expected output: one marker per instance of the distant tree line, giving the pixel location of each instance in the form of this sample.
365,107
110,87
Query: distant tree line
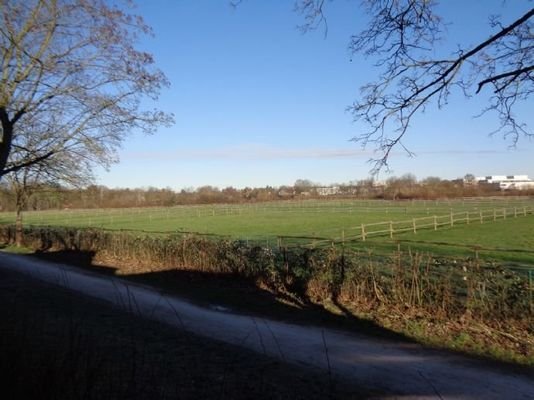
406,187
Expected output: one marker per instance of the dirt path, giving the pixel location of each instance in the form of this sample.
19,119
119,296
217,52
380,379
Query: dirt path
405,370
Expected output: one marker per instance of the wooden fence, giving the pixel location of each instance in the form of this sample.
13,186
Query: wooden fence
434,222
390,228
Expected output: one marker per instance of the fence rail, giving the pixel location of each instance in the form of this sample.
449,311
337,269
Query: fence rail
434,222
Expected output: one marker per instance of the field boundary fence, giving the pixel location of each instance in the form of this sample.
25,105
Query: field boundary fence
434,222
430,207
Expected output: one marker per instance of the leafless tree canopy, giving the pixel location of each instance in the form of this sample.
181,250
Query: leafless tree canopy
402,36
72,83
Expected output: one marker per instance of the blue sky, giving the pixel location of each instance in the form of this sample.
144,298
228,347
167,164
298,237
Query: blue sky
257,103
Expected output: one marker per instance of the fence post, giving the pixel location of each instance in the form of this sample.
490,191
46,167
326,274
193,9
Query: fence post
343,236
435,223
363,232
414,227
494,214
467,217
504,213
452,219
391,229
481,218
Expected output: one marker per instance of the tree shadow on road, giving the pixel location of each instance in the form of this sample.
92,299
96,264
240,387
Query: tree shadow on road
231,291
242,295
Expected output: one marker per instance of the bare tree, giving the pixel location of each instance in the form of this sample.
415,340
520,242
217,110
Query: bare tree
72,81
58,169
402,37
70,169
22,183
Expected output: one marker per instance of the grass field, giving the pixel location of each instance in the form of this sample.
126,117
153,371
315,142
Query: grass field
509,238
511,241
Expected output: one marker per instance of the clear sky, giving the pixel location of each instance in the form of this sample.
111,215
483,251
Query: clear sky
258,103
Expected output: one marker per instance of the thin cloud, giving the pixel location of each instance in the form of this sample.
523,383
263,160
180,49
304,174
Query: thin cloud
248,152
460,152
259,152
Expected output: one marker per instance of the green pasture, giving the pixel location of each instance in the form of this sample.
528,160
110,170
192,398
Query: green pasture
306,218
510,241
315,222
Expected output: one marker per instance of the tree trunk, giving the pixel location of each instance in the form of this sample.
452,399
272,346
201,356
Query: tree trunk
5,140
20,205
19,229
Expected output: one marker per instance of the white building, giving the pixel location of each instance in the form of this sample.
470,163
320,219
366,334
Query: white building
506,182
328,190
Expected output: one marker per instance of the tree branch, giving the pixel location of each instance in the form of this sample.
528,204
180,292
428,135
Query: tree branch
514,74
29,163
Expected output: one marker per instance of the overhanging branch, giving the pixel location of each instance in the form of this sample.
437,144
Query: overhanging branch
513,74
29,163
